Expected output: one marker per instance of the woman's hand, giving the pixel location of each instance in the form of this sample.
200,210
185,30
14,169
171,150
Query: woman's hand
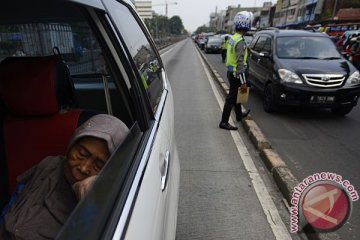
81,188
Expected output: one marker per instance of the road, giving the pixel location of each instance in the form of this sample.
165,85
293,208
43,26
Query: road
225,191
311,141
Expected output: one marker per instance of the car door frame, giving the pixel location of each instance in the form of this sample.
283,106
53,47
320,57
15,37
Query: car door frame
117,228
163,157
161,149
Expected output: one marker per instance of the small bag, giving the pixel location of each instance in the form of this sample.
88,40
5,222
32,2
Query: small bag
242,97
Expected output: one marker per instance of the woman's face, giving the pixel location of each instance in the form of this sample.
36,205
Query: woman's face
85,159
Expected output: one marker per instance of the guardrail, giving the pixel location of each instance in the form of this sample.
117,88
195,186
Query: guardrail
166,41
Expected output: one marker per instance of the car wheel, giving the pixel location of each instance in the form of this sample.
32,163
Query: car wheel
269,103
341,111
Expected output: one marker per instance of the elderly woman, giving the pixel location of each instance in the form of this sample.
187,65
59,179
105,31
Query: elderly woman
54,186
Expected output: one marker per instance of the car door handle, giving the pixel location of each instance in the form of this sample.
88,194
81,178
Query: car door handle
165,171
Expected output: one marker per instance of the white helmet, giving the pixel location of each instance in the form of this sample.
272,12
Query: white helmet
243,20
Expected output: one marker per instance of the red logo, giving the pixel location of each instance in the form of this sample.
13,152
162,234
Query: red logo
325,206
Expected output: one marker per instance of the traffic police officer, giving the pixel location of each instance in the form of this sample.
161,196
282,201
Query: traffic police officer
224,48
236,63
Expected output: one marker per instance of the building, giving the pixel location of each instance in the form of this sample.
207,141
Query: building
264,19
348,14
144,8
290,13
287,12
217,20
231,12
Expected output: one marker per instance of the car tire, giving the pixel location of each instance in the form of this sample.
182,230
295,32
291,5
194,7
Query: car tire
341,111
269,103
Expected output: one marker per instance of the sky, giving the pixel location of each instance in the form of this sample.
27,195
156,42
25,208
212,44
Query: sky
195,13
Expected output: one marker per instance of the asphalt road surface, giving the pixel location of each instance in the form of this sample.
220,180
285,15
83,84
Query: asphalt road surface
311,141
225,191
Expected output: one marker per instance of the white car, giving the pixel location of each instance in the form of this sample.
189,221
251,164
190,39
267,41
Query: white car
89,57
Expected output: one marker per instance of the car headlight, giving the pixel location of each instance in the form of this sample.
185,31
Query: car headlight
354,79
289,77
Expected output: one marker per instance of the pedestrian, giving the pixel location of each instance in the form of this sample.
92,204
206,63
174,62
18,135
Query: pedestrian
236,63
340,42
347,41
52,188
355,53
348,48
223,48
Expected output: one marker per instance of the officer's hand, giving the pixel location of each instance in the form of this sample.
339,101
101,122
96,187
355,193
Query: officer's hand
243,88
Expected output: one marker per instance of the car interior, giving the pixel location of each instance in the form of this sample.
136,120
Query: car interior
39,119
60,65
46,92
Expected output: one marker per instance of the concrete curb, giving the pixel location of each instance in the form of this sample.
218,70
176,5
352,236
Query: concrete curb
282,175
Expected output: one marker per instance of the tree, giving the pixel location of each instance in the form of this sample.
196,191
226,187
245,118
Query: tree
160,26
176,25
203,28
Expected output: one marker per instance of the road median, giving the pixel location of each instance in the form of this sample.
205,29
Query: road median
285,180
280,172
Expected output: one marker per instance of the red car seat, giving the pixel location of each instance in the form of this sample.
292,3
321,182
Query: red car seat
37,94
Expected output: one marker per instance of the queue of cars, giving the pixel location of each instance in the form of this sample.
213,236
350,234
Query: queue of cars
298,68
45,94
302,68
211,42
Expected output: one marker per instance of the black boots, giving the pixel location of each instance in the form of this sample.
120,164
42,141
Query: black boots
227,126
242,115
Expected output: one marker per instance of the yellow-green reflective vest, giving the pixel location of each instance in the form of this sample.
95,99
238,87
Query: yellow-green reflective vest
144,81
231,63
224,44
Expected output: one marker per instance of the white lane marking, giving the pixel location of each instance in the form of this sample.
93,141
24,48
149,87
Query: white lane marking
277,225
168,51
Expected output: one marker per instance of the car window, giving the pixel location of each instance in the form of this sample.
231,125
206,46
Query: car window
96,86
215,40
248,39
253,41
267,46
142,51
75,42
263,44
260,44
306,47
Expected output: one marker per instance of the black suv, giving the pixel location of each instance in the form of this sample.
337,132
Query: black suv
302,68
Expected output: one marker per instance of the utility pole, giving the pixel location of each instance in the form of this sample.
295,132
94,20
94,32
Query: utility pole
334,9
166,6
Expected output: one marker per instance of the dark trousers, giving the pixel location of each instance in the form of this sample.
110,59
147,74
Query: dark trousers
223,54
230,101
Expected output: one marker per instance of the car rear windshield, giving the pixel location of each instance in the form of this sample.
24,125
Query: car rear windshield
306,48
214,40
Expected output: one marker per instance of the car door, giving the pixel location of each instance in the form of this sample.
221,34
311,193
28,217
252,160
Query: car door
254,59
260,64
265,63
157,185
136,195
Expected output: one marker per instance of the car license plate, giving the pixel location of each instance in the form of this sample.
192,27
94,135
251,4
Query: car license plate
322,99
